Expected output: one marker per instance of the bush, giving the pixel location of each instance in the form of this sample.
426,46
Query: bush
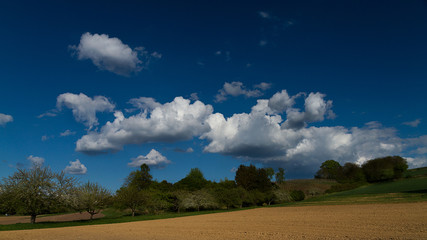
297,195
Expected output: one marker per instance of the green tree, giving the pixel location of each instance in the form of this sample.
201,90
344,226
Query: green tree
280,176
193,181
199,199
384,169
37,190
352,173
92,198
141,179
251,178
270,173
329,169
130,197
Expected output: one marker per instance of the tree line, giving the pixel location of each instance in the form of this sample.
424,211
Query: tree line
39,190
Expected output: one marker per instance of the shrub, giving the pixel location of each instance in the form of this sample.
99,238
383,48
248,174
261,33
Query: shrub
297,195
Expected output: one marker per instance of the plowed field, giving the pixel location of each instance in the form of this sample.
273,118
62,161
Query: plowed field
373,221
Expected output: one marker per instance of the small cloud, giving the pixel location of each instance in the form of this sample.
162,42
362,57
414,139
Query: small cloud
4,118
36,161
262,43
248,65
236,89
217,53
111,54
76,168
153,158
414,123
67,133
265,15
194,96
46,137
200,63
50,113
263,86
233,170
84,108
188,150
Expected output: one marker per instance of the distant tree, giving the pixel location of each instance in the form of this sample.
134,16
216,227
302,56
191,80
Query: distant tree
227,194
130,197
384,169
141,179
352,173
280,176
270,173
329,169
92,198
37,191
193,181
251,178
199,199
297,195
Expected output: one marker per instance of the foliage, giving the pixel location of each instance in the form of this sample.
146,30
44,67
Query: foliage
270,173
384,169
352,173
36,191
329,169
280,176
251,178
141,179
199,199
92,198
297,195
130,197
193,181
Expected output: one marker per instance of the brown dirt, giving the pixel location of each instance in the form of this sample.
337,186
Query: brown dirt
54,218
370,221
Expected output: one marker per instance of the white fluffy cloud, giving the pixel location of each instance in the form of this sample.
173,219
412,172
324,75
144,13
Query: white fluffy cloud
275,132
84,108
112,54
169,122
4,118
76,168
153,158
36,161
237,88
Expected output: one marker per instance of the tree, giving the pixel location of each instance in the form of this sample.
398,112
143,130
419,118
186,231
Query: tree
251,178
384,169
199,199
131,197
329,169
193,181
92,198
352,173
280,176
37,190
141,179
270,173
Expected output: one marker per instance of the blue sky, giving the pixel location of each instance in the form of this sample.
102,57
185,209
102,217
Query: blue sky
98,88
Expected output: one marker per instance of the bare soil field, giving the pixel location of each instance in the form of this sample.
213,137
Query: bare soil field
54,218
368,221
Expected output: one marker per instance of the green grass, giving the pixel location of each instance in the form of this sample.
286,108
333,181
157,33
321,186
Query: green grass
417,172
404,190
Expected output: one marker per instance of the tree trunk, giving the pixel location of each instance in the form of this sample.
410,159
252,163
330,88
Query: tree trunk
33,218
133,213
91,215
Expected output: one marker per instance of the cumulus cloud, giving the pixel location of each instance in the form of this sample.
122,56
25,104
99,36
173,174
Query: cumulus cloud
4,118
153,158
173,121
111,54
36,161
84,108
76,168
414,123
275,132
237,88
